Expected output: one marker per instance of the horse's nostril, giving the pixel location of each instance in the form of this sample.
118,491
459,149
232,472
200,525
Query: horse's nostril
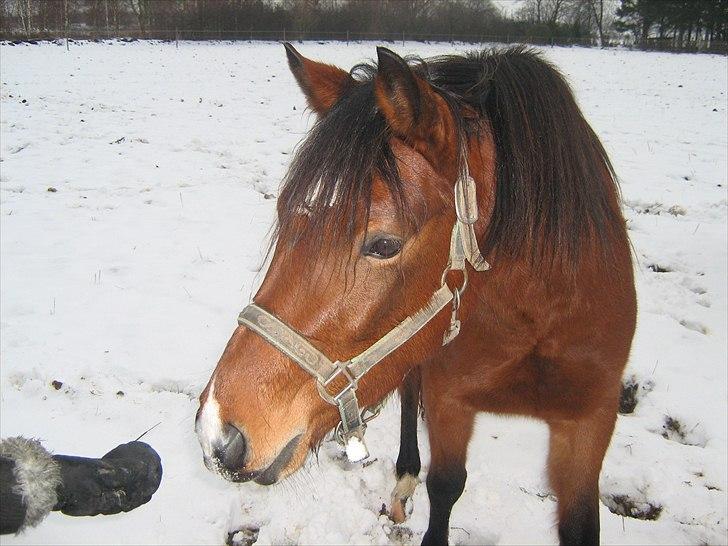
232,450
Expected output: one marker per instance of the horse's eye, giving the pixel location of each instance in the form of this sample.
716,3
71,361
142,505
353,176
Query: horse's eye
383,248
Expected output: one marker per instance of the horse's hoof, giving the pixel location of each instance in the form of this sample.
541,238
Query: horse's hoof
398,511
402,493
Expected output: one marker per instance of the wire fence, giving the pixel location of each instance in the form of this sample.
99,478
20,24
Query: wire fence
177,35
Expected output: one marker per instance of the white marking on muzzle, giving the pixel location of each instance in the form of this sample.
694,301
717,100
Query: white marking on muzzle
209,424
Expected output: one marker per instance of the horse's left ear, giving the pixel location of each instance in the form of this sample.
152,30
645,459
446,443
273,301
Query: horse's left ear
322,84
414,111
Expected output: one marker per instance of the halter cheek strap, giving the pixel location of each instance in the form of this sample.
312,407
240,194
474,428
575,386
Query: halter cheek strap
464,243
350,431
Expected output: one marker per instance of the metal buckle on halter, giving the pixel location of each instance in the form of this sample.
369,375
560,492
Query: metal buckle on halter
454,328
353,438
367,414
350,431
342,368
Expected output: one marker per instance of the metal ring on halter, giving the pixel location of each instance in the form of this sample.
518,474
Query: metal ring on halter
338,434
456,298
443,279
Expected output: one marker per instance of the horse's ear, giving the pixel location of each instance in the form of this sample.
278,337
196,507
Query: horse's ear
322,84
414,111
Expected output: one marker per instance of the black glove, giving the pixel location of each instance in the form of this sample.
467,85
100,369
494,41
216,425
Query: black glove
124,478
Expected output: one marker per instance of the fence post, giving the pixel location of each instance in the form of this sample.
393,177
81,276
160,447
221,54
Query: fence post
347,37
403,37
284,34
176,37
65,20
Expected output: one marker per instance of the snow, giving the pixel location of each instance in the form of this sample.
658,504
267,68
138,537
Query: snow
125,282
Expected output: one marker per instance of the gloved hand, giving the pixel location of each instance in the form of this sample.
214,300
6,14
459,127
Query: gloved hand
124,478
33,482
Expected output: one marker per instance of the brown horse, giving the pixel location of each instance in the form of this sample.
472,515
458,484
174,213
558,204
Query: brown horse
365,243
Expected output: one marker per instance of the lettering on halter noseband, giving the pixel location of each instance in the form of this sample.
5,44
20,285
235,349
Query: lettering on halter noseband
350,430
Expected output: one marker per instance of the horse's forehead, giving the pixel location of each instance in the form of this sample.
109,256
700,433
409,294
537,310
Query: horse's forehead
419,180
411,163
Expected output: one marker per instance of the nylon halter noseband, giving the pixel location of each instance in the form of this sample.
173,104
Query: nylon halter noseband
350,431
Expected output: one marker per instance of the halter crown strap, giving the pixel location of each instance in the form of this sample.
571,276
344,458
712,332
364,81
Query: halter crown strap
398,335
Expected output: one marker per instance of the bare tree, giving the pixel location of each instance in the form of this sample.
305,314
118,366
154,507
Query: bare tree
597,15
23,7
141,11
597,8
543,11
554,11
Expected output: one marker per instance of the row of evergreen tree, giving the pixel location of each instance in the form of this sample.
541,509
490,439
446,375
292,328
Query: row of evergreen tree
680,22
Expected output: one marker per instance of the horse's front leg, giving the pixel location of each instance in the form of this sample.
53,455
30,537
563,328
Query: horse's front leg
408,461
449,426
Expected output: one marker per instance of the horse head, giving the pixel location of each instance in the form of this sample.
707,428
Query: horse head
363,241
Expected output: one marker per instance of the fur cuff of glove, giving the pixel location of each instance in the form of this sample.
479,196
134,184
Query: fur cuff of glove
37,477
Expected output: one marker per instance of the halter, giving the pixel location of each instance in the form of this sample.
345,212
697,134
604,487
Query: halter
350,430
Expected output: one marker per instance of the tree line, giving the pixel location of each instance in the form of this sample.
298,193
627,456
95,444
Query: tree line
680,22
686,22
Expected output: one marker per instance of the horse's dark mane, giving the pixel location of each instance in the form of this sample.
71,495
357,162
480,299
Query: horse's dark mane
555,190
331,173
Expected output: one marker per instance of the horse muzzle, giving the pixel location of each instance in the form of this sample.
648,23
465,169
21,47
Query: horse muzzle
229,456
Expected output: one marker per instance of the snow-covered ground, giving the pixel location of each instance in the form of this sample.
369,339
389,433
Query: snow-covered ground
124,281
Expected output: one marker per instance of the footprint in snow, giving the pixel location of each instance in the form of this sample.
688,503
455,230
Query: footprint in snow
697,289
243,536
695,326
16,149
657,268
703,302
679,431
633,391
632,507
399,534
